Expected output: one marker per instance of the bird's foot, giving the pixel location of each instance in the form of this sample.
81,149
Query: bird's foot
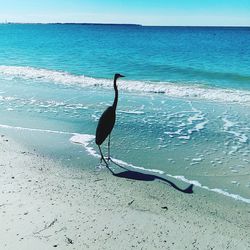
103,160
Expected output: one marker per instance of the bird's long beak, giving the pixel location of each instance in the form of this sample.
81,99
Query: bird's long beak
122,76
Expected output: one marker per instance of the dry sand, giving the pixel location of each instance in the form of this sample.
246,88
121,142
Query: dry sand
44,205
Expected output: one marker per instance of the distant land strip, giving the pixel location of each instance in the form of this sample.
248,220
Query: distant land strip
59,23
129,24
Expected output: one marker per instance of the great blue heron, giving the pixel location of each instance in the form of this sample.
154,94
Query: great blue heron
106,123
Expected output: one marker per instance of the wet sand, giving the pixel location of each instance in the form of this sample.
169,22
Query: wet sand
44,205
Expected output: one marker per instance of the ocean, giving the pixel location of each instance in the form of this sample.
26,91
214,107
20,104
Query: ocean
184,106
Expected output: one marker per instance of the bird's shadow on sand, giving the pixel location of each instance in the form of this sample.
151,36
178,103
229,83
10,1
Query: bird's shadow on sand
134,175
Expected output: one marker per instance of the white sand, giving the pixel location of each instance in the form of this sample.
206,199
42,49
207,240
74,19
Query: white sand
45,206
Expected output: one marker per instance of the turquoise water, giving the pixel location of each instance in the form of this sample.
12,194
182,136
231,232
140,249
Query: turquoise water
184,106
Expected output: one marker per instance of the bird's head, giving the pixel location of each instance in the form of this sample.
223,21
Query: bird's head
118,76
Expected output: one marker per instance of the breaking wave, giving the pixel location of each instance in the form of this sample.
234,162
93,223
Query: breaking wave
166,88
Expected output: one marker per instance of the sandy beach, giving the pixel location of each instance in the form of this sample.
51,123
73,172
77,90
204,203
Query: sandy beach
44,205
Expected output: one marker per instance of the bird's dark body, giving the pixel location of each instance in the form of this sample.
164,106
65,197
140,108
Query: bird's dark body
105,125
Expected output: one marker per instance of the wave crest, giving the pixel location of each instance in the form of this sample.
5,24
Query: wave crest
167,88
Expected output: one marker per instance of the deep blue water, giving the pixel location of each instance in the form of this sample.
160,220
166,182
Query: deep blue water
211,56
184,106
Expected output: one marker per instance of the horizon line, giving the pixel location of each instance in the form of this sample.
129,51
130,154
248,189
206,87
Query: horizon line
123,24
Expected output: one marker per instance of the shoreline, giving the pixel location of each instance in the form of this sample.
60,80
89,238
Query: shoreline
45,205
84,141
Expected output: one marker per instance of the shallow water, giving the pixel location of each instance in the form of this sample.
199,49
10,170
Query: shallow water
184,123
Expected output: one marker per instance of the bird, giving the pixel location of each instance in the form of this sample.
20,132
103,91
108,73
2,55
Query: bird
106,123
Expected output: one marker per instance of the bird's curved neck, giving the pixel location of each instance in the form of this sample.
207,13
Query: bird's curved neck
116,95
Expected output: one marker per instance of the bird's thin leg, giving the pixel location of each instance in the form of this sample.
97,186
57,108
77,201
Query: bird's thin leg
102,158
109,148
109,158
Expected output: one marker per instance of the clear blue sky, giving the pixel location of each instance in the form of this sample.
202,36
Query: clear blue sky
147,12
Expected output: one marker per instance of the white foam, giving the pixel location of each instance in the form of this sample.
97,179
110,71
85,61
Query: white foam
197,159
198,116
227,127
167,88
8,98
201,125
35,129
85,139
196,121
45,103
185,137
171,133
216,190
135,112
227,124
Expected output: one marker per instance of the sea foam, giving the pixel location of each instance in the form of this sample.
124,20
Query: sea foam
167,88
36,130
